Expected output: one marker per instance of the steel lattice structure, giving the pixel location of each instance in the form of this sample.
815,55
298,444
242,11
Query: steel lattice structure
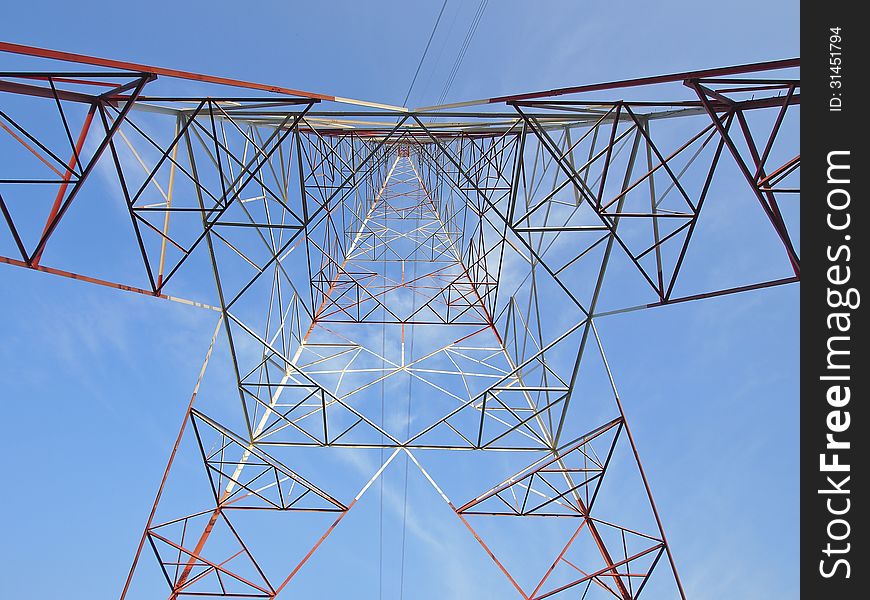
464,251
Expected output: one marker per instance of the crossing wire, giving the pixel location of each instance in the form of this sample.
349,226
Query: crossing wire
472,29
440,52
425,51
383,396
417,216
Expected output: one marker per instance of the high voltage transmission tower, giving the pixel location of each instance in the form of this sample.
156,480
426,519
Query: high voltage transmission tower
402,285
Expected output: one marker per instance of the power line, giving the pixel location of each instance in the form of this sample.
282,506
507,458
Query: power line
408,415
472,29
441,51
425,51
383,406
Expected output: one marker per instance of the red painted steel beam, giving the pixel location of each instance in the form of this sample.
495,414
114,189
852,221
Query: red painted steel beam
132,66
640,81
61,192
96,281
44,92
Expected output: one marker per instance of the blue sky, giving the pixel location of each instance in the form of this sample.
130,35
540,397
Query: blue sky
95,381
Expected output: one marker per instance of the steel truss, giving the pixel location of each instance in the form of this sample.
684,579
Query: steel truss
467,251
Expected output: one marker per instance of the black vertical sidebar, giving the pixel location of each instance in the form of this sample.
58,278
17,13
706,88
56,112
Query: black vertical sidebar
834,363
